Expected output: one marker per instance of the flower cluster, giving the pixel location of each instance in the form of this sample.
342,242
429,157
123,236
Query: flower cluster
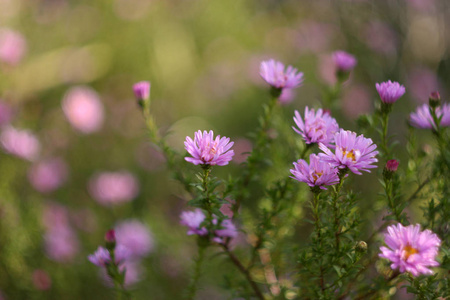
411,250
206,150
317,127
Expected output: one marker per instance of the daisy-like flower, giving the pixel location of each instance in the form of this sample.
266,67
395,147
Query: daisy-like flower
273,73
317,173
422,118
390,91
207,150
411,250
193,220
318,127
356,153
344,61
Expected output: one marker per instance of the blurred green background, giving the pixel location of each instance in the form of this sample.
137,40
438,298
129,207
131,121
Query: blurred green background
202,58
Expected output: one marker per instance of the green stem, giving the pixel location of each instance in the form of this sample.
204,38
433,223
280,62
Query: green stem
384,138
337,190
192,290
316,214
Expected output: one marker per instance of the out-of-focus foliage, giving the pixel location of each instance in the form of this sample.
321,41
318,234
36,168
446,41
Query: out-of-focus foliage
202,58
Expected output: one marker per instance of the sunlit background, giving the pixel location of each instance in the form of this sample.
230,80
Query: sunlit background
76,158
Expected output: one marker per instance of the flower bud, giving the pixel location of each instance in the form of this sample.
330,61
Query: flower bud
390,168
435,99
110,239
361,247
142,91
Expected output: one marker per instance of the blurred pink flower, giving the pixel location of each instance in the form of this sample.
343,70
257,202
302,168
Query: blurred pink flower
422,118
55,215
12,46
193,221
110,188
142,90
381,38
134,236
287,95
61,244
101,256
46,176
6,113
356,101
327,69
420,82
21,143
228,230
344,62
83,109
314,36
41,280
133,273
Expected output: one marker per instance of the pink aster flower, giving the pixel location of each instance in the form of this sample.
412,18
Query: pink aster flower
317,173
356,153
318,127
46,176
83,109
110,188
193,220
411,250
12,46
273,73
344,61
21,143
142,90
422,118
390,91
207,150
135,236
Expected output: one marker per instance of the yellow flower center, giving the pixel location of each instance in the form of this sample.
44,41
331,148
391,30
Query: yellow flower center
349,154
409,250
316,176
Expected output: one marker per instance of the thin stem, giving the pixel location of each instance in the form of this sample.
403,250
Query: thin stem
384,137
337,190
192,289
316,214
244,271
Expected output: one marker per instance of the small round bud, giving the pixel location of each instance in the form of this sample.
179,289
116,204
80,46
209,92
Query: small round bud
392,165
361,247
142,91
435,99
110,239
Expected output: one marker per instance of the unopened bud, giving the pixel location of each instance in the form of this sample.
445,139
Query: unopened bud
392,165
435,99
110,239
142,91
361,247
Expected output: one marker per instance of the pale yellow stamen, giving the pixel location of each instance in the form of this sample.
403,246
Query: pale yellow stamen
408,251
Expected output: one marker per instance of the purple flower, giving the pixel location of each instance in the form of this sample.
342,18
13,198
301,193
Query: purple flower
61,244
318,127
20,143
390,91
207,150
101,257
422,118
47,176
142,90
356,153
392,165
228,231
83,109
135,236
287,95
274,74
317,173
110,188
410,249
344,61
193,220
